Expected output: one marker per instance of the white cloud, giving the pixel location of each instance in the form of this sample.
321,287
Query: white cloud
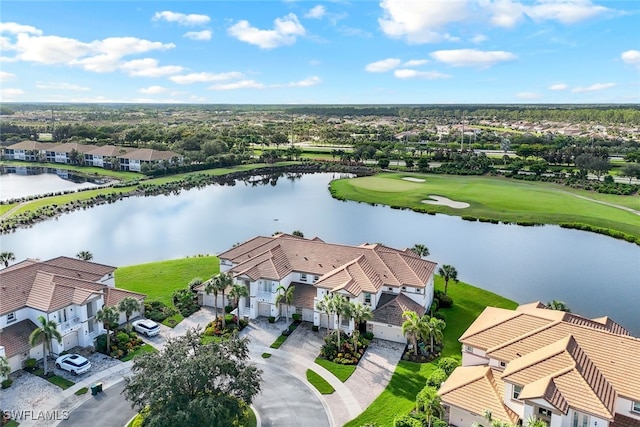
198,35
148,67
558,86
62,86
508,13
404,73
309,81
9,92
152,90
631,57
415,62
354,32
479,38
594,87
50,49
5,76
528,95
316,12
472,57
205,77
181,18
420,21
242,84
285,31
15,28
383,65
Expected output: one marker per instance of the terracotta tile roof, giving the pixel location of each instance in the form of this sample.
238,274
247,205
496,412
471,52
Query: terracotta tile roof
110,151
477,389
303,295
147,154
564,375
15,338
68,147
378,263
354,277
32,145
46,285
391,312
115,295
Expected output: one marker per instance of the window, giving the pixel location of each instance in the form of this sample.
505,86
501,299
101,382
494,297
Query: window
390,289
502,364
516,391
544,412
469,349
303,277
635,406
404,288
315,279
418,291
367,298
11,317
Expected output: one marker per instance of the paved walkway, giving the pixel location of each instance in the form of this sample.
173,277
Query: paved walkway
295,356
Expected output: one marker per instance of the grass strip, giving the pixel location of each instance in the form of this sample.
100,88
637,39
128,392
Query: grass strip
319,383
266,355
81,391
279,341
342,372
63,383
146,348
172,321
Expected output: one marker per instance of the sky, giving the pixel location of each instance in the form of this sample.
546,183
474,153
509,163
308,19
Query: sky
321,52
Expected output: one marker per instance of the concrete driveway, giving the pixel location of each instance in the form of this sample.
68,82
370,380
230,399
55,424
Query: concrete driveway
107,409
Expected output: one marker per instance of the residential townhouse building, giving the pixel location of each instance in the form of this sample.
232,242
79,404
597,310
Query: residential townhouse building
68,291
565,369
388,280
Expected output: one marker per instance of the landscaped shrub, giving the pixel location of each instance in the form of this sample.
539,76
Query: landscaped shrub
315,328
368,335
297,317
437,377
345,353
406,421
448,365
271,319
444,301
439,314
6,383
123,337
228,309
30,364
158,311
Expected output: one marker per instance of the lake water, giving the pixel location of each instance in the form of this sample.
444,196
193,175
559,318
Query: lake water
595,275
17,182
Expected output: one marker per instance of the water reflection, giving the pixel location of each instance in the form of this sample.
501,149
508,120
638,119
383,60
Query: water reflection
23,181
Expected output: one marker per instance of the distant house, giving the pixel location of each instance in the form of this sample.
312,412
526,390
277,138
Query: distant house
565,369
105,156
62,153
386,279
68,291
30,151
133,160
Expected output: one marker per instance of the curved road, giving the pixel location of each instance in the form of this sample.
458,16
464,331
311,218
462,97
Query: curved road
285,401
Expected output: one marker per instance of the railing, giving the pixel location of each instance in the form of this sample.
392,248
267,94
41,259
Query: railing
70,325
262,296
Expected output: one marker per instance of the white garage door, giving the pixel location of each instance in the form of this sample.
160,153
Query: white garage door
70,340
264,309
307,315
389,333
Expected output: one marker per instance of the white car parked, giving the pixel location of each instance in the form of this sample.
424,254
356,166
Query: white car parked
146,327
73,363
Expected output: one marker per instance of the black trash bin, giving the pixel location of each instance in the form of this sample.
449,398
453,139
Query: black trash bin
96,388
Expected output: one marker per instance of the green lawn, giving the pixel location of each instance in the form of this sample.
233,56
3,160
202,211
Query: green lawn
320,383
146,348
66,198
81,391
495,198
409,378
158,280
60,382
342,372
266,355
279,341
85,170
12,423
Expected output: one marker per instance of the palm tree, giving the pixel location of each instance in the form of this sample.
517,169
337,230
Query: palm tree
421,250
84,255
47,331
436,327
128,306
288,299
448,272
211,288
558,305
360,313
5,368
413,328
534,421
221,282
342,308
429,402
6,258
237,292
109,318
323,307
280,290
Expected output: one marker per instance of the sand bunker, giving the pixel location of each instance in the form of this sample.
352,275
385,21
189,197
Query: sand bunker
408,178
437,200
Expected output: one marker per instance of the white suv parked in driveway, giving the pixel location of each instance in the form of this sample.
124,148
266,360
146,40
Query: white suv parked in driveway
73,363
146,327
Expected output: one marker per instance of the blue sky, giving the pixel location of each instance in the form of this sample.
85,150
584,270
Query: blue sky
332,52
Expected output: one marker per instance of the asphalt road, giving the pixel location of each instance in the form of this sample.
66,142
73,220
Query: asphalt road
285,401
106,409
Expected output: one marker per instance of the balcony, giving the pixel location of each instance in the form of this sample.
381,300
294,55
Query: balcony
70,325
263,296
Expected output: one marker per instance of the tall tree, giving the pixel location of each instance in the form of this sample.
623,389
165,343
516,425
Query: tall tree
285,296
558,305
421,250
221,282
6,258
84,255
360,313
448,272
45,333
109,318
429,402
5,368
323,307
436,330
413,328
211,288
128,306
237,292
342,310
188,383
